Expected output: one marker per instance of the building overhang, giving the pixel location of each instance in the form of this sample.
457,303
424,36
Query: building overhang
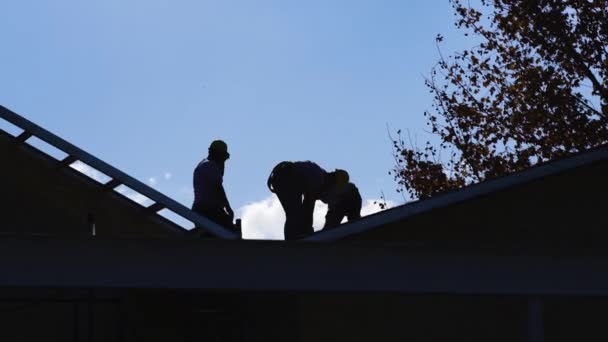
297,267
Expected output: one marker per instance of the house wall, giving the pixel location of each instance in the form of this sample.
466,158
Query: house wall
438,318
59,315
186,315
31,315
385,317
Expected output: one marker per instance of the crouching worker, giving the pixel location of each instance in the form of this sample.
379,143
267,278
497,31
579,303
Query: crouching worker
343,200
209,196
297,185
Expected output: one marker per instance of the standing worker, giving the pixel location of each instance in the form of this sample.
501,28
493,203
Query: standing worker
209,196
298,185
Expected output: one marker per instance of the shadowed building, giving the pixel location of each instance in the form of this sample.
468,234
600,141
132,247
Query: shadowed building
520,258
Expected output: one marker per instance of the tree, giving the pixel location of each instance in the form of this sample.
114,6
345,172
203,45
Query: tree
535,89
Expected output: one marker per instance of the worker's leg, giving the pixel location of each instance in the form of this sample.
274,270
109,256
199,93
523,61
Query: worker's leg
286,187
353,211
308,207
291,201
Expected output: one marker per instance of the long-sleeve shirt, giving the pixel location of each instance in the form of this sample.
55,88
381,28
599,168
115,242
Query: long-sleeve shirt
208,185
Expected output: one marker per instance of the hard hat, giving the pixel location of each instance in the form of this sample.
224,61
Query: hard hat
218,146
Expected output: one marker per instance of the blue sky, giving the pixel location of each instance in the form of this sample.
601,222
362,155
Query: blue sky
146,84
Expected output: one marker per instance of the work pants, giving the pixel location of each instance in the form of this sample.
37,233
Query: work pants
289,188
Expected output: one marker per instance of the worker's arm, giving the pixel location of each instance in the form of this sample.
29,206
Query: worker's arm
333,217
356,203
226,204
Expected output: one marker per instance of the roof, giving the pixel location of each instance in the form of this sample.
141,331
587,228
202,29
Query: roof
429,246
561,191
35,164
551,201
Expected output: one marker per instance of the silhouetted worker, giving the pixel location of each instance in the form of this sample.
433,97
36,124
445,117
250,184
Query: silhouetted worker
209,196
343,200
298,185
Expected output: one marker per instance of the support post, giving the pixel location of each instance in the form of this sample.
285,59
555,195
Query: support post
536,331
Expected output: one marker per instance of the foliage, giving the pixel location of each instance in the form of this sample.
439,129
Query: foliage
534,89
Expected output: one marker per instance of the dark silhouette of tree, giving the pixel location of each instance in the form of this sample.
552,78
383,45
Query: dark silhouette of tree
534,89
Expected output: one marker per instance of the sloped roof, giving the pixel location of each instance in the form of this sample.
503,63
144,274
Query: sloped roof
39,167
551,194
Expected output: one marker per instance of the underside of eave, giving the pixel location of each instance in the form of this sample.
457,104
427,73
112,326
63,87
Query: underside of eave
41,196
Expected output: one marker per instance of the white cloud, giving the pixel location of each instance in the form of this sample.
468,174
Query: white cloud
152,181
264,219
168,175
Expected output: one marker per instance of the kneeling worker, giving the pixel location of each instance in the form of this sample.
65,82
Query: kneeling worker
297,185
343,200
209,196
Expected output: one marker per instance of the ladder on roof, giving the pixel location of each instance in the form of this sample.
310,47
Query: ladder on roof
117,177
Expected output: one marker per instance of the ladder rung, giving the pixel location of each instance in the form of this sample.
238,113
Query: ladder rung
112,184
68,160
24,136
155,207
